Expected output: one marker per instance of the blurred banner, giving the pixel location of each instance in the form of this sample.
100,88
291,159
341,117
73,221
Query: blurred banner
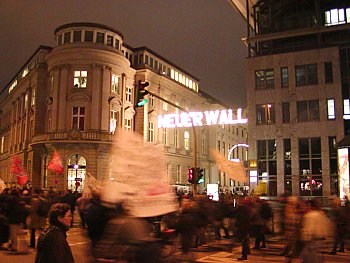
91,184
235,170
138,177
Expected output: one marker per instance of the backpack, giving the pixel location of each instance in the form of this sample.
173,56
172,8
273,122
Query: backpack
43,208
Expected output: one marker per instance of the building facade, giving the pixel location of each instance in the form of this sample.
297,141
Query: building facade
75,96
298,70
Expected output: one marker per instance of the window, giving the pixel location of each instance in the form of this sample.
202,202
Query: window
328,72
306,75
265,114
310,165
80,79
330,109
59,40
115,83
287,166
267,165
89,36
285,112
178,173
308,110
187,140
333,165
165,106
151,100
204,145
32,102
100,38
49,120
264,79
284,78
66,37
346,109
2,144
113,121
150,132
116,44
128,94
165,136
78,118
337,16
109,40
77,36
176,138
128,124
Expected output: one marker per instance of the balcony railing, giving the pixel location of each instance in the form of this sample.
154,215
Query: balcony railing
74,136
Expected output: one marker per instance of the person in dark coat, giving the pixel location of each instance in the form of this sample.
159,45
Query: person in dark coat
243,226
52,244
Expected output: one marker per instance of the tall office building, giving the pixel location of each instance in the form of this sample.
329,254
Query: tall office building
298,90
75,96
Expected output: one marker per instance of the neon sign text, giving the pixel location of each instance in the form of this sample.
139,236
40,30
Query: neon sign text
188,119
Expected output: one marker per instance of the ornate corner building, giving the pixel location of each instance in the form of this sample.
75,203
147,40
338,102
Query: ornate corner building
75,96
298,91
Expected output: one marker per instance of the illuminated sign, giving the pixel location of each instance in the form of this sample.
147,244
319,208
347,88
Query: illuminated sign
343,166
188,119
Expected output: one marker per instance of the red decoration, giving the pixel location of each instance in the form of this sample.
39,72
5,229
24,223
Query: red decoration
21,180
56,180
17,167
55,164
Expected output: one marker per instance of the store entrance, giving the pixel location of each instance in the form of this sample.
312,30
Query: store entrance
76,173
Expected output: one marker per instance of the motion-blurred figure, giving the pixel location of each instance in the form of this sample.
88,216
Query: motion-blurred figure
126,239
315,228
292,226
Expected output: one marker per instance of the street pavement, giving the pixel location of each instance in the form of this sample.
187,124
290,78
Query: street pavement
225,250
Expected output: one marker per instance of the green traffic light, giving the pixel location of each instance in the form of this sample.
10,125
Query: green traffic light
142,103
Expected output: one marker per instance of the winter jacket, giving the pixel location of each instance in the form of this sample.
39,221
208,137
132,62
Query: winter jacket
53,246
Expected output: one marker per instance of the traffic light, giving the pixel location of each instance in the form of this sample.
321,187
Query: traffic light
200,175
191,175
141,93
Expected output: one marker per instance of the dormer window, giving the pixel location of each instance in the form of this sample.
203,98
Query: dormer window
89,36
100,38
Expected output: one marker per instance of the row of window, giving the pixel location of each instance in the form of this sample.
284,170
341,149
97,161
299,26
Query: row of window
307,110
337,16
170,72
89,36
310,163
304,75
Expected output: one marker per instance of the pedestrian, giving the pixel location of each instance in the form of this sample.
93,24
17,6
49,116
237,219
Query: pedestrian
339,219
243,222
16,215
35,221
52,244
315,228
70,199
82,203
96,218
292,225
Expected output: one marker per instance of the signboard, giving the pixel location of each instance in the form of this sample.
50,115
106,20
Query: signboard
213,191
188,119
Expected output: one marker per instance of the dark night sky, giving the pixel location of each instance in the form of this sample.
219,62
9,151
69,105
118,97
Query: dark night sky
201,36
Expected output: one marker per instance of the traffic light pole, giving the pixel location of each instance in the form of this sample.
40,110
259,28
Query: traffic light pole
194,138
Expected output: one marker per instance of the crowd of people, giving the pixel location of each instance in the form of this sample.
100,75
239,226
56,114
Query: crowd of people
114,234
